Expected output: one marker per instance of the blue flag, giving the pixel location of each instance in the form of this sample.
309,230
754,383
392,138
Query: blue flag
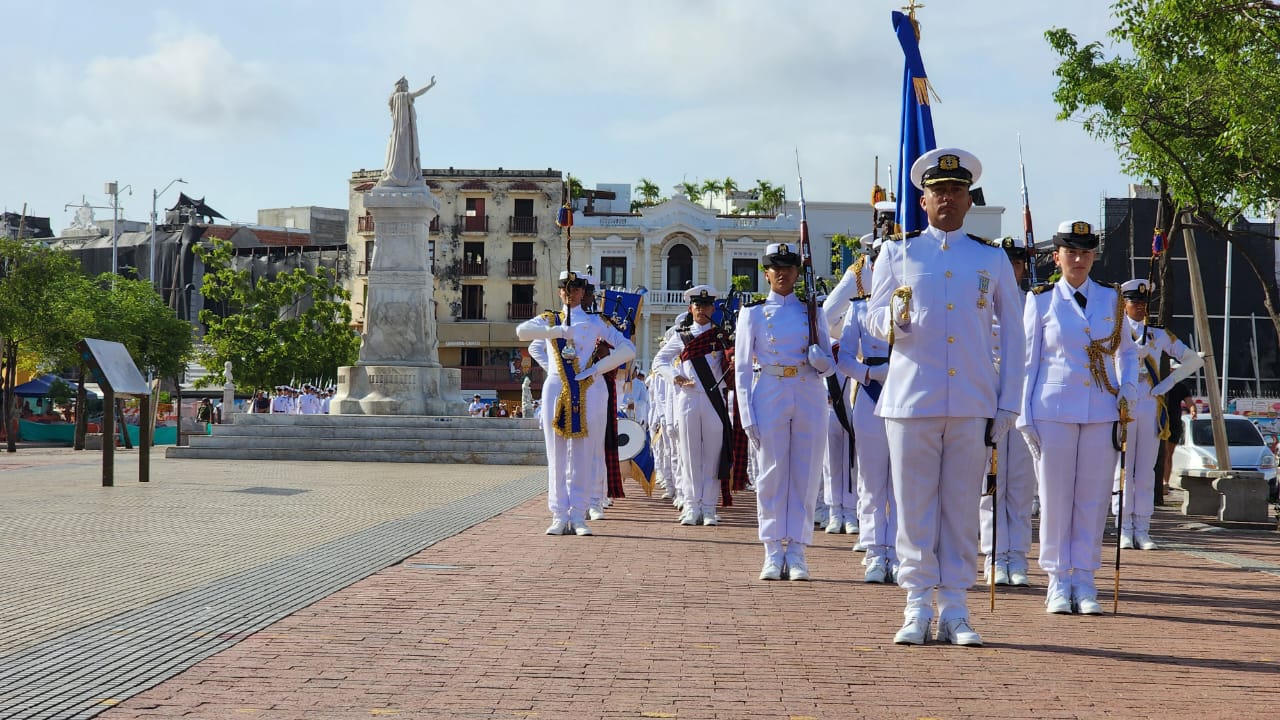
623,308
917,125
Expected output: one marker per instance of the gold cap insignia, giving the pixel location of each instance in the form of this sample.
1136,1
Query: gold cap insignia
949,162
1080,227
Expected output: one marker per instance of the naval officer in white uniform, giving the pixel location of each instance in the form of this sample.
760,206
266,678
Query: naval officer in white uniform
783,411
934,297
1081,360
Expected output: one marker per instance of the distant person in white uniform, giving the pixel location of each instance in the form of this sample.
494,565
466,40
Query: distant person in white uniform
934,296
783,411
1151,418
1081,361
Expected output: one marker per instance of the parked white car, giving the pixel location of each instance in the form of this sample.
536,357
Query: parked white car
1244,443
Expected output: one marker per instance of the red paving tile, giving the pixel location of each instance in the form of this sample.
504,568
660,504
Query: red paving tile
652,619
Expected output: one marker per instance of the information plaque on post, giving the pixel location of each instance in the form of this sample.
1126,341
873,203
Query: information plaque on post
114,370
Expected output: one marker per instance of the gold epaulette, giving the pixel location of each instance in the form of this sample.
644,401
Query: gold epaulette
550,315
1042,288
985,241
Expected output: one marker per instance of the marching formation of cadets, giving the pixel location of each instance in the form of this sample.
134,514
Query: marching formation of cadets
933,367
306,400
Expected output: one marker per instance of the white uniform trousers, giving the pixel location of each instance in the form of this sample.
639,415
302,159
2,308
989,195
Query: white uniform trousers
837,470
1077,462
877,516
1140,474
1015,494
570,466
936,465
792,436
598,395
701,437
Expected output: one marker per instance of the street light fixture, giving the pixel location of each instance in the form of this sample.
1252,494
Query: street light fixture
113,189
155,196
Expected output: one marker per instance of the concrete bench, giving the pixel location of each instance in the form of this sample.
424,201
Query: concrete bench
1231,495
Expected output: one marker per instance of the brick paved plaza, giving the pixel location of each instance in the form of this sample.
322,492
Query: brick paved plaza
353,590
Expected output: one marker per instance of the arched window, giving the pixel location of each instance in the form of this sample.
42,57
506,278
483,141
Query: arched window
679,267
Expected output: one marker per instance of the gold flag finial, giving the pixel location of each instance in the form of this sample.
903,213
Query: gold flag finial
911,7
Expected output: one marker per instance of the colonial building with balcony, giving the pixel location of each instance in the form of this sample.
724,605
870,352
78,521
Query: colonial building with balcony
496,253
676,244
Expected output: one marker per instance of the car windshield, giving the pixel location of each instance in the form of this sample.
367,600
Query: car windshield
1239,432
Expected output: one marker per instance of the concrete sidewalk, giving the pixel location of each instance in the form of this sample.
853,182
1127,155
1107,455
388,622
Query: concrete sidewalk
231,604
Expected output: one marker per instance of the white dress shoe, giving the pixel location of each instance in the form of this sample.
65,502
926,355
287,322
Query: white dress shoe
1002,574
915,631
580,528
1018,577
1126,540
558,527
877,571
710,518
833,527
772,570
1145,542
850,527
1058,605
595,513
1088,606
690,517
797,570
957,631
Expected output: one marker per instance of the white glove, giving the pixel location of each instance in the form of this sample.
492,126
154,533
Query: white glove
1161,388
820,360
900,308
589,372
1129,394
1033,441
753,434
557,332
877,373
1000,426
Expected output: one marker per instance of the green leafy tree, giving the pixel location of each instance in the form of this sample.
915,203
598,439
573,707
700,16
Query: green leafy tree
293,326
1193,106
37,291
691,190
649,192
728,187
769,199
711,188
839,241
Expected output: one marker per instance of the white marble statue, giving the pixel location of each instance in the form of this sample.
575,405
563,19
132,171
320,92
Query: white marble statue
404,162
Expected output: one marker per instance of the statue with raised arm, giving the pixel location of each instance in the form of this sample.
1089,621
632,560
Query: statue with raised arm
404,163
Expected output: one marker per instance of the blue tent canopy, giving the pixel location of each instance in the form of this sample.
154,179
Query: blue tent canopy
36,387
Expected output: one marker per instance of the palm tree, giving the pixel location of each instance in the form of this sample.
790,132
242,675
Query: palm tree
728,187
649,191
710,188
693,191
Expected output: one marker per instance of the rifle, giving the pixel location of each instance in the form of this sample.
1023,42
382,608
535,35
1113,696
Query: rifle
806,261
564,219
1028,236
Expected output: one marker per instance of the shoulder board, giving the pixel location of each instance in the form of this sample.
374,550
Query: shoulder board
984,241
1042,288
1156,326
900,236
753,303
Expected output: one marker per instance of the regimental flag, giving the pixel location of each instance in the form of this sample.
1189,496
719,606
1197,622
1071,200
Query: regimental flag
917,124
564,218
623,308
1157,243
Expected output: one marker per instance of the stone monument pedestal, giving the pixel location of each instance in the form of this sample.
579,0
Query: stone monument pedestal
399,370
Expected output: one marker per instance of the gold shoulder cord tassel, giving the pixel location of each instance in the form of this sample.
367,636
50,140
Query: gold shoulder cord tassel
1100,350
904,294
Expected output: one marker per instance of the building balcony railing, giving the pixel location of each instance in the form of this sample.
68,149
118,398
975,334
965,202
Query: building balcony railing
521,311
473,223
665,297
498,377
522,268
474,268
471,314
522,225
364,224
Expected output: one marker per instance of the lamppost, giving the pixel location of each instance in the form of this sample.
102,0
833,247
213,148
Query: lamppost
155,196
113,189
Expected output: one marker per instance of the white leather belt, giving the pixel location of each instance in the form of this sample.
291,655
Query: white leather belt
784,371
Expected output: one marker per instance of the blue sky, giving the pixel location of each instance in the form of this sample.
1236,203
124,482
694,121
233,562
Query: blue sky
271,104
